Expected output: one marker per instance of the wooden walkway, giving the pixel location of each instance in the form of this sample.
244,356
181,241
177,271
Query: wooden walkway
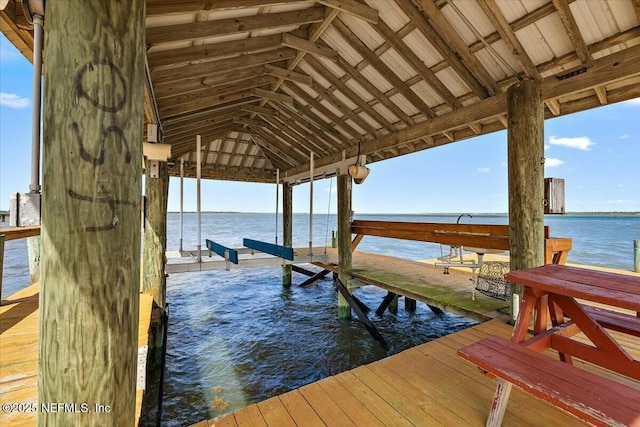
19,353
425,385
423,282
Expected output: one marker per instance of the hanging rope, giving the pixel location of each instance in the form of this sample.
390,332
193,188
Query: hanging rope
326,234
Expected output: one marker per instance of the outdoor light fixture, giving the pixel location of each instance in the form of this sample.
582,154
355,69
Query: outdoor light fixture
359,171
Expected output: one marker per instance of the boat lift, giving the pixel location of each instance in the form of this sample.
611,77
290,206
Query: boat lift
254,253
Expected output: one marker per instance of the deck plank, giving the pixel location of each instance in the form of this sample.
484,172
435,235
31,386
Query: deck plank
300,410
19,356
423,282
425,385
250,417
350,405
275,414
325,407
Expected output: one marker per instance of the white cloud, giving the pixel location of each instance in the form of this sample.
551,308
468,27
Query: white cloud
625,136
550,162
12,100
546,147
580,142
620,201
633,101
484,170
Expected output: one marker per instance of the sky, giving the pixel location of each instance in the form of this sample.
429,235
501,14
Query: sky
596,152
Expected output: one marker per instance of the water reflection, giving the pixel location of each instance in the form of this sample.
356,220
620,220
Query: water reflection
238,337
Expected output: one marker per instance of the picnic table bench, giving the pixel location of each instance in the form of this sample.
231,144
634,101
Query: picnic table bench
551,293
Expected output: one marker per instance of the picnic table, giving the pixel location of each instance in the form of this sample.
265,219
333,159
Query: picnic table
556,303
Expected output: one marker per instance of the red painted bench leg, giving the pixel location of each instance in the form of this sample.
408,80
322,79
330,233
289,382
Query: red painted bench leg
499,404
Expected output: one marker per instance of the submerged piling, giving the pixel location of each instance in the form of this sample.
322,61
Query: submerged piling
636,256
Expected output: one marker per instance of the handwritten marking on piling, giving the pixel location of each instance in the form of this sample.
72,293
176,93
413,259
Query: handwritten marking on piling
110,96
107,71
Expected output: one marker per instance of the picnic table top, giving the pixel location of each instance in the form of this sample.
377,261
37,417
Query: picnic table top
597,286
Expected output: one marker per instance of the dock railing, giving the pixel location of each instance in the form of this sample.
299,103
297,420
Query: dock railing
14,233
487,236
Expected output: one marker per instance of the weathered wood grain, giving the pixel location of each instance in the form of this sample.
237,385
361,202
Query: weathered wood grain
525,149
89,299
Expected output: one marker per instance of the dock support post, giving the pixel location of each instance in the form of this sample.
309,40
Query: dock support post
199,195
526,177
155,236
636,256
287,227
344,240
181,204
409,304
90,265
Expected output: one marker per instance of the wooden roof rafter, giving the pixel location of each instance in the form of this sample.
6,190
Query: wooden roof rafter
382,68
209,29
348,93
493,12
440,44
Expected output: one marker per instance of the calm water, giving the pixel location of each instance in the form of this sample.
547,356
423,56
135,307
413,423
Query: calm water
237,337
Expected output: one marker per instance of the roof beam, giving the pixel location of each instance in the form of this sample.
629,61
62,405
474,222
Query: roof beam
207,29
275,156
308,47
610,68
381,67
493,12
216,80
303,114
353,8
233,100
275,96
194,98
283,73
601,93
313,102
423,71
434,37
571,27
265,111
374,91
279,147
246,175
344,109
204,104
293,145
211,51
293,138
294,126
205,69
433,13
167,7
350,94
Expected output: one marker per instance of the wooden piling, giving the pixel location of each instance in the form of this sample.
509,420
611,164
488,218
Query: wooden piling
33,250
287,227
636,256
409,304
1,261
526,176
90,264
344,240
155,235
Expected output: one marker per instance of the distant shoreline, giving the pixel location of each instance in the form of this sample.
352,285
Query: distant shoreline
480,214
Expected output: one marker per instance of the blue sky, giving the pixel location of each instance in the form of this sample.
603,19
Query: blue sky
597,152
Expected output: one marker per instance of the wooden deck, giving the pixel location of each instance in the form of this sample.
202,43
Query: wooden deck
422,282
19,353
425,385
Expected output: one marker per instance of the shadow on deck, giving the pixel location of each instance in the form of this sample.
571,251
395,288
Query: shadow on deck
19,353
